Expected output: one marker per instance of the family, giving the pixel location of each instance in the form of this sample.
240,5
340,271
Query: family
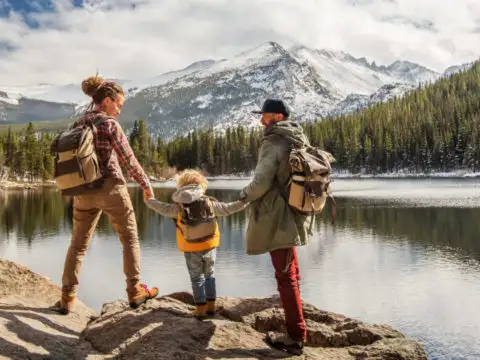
272,227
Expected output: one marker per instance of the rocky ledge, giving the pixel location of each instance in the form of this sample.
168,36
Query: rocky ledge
164,328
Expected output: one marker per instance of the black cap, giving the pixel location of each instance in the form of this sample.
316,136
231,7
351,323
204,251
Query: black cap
273,106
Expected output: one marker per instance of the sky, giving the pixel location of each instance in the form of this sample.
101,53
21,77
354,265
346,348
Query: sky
63,41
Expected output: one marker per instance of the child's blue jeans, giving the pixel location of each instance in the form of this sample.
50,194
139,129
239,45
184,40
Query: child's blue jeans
201,267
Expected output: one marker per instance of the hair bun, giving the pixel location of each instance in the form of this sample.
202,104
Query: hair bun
91,85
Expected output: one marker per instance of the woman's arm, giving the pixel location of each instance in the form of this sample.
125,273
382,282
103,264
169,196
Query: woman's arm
127,158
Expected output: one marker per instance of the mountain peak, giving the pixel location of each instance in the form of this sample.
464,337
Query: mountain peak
457,68
264,49
202,64
404,65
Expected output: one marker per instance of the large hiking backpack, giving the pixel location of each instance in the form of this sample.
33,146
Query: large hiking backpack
309,185
198,222
77,170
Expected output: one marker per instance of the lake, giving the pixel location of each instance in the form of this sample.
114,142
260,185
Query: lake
403,252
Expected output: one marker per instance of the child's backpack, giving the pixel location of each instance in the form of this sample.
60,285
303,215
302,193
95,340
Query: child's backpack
76,164
198,222
309,185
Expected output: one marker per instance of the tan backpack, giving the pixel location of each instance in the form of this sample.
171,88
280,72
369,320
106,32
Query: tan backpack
309,185
77,170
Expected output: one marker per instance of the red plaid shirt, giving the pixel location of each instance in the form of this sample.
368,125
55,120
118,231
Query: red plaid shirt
111,146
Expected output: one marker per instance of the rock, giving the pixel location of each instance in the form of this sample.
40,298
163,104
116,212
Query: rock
165,329
29,327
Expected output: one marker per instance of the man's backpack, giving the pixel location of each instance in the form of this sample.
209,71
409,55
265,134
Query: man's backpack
77,170
309,185
198,222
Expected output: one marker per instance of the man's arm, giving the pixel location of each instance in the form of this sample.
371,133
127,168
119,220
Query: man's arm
265,172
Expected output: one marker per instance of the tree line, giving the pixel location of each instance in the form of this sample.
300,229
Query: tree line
432,128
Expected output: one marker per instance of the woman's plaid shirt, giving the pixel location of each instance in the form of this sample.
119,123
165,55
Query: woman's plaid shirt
112,148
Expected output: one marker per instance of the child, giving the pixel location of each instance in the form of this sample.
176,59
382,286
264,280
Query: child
197,233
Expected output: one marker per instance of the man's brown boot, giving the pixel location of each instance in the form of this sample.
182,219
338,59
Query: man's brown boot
140,294
65,304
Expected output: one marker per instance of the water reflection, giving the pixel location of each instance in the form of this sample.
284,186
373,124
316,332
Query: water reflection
416,268
32,215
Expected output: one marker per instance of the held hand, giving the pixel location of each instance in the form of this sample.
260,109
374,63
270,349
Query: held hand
243,197
148,194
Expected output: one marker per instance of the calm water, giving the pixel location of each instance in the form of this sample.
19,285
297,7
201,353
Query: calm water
403,252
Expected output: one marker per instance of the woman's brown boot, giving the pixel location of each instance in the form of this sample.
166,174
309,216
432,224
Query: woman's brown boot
140,294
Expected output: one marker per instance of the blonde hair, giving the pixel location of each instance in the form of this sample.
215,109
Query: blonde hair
189,177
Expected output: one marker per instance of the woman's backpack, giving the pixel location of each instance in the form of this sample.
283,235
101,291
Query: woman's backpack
77,170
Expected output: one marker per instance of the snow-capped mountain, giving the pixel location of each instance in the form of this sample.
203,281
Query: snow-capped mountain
21,109
355,102
349,75
132,87
314,83
226,92
457,68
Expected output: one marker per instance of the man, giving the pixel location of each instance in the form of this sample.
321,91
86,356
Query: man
273,226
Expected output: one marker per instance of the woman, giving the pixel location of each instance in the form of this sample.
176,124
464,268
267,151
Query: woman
112,147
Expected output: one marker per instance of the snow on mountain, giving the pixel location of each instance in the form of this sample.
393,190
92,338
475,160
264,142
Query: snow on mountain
15,109
349,75
7,98
226,92
410,73
222,93
68,94
355,102
457,68
134,86
342,74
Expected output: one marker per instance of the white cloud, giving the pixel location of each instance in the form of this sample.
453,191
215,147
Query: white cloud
138,38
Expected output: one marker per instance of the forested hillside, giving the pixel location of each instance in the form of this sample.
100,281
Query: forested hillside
435,128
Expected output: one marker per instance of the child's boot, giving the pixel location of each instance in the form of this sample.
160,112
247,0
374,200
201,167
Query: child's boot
211,309
140,294
200,310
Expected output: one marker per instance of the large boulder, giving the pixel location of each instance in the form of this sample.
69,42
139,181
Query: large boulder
165,329
29,327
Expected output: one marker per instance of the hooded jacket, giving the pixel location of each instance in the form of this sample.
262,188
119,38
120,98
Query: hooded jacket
272,224
186,195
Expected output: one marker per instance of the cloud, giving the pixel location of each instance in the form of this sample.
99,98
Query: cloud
140,38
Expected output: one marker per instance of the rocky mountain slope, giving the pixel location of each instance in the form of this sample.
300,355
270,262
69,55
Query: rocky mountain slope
164,328
315,83
21,110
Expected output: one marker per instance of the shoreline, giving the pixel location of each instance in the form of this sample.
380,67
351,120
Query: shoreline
23,185
20,185
17,185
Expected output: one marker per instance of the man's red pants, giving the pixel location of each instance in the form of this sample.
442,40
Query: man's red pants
287,273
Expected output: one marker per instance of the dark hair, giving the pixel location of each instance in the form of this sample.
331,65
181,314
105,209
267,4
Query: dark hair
99,89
